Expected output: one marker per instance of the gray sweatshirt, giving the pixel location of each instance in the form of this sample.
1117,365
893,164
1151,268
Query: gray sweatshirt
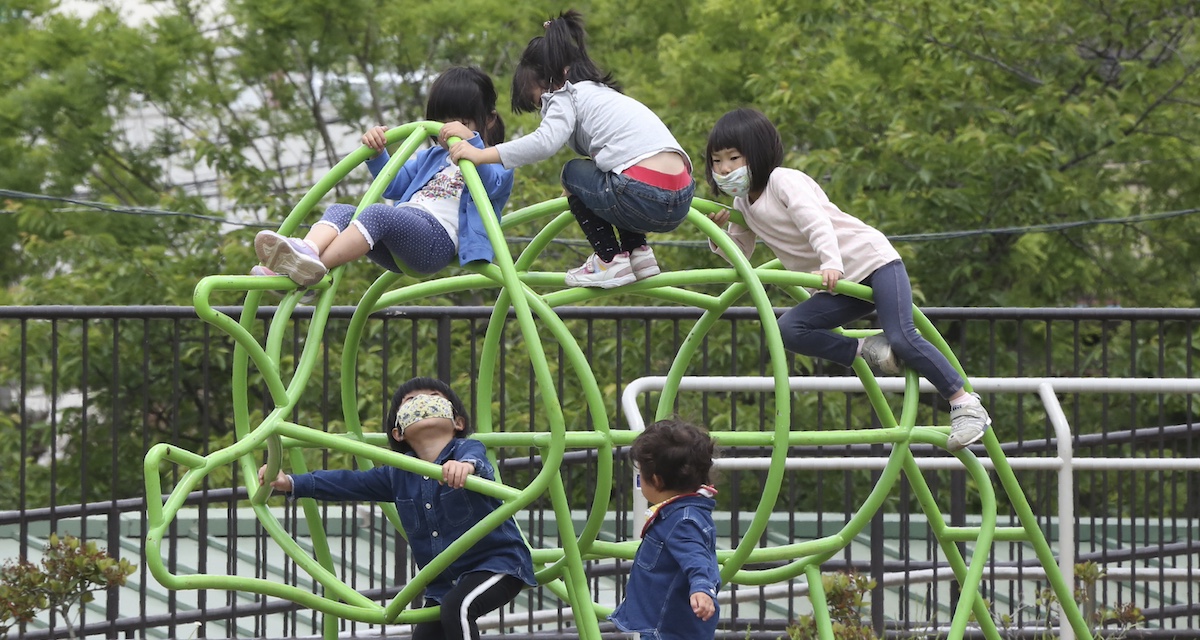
615,130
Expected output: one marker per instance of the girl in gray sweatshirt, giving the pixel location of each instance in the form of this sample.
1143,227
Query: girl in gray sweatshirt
636,178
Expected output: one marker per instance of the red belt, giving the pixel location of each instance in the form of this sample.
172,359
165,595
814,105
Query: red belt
659,179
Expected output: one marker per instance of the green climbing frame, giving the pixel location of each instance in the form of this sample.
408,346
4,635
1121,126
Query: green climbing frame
560,570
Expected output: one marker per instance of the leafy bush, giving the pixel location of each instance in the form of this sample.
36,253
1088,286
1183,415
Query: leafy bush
70,573
846,597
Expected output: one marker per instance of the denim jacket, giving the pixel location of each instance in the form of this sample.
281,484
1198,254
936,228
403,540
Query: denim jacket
473,242
433,515
677,557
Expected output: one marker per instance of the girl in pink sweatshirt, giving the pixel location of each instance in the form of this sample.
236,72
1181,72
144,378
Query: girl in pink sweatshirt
792,215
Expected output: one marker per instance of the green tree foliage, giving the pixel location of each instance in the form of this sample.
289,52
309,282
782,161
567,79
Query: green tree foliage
922,118
67,85
949,116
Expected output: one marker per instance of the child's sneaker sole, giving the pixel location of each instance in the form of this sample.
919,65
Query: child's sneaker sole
612,283
260,271
279,254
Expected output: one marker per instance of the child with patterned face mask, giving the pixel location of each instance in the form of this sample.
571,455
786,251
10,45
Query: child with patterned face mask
792,215
427,420
672,588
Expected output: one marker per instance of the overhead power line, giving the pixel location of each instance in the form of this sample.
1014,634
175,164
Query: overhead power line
111,208
86,205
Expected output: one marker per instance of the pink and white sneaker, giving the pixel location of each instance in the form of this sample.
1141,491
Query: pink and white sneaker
595,272
643,262
290,256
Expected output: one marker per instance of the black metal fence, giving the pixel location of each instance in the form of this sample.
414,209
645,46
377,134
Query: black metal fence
84,393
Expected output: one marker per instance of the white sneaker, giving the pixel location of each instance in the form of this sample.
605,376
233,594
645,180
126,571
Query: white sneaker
643,262
968,421
595,272
877,351
290,256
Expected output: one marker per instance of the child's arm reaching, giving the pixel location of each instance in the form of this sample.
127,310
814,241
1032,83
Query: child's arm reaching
554,132
376,138
373,484
463,150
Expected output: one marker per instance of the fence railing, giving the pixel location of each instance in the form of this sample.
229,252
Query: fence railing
84,392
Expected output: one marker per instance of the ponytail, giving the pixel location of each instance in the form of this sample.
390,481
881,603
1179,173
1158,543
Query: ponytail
554,59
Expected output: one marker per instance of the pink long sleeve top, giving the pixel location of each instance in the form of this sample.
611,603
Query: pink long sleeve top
807,232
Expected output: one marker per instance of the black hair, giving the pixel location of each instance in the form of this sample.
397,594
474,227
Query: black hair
679,453
753,135
424,384
553,59
466,93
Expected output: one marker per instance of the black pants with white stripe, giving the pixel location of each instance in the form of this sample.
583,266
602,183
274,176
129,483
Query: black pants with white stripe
475,594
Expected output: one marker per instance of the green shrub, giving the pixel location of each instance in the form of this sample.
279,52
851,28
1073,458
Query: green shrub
71,571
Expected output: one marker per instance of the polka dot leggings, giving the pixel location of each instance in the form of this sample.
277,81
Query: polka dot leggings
401,238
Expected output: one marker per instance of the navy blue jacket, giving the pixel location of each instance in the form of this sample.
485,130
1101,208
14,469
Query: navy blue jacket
677,557
433,515
422,166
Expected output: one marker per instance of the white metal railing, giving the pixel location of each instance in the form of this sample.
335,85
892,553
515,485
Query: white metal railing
1064,463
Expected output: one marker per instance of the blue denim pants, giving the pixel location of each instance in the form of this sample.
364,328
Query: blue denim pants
806,327
625,203
402,238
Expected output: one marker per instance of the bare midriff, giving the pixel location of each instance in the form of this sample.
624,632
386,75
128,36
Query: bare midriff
667,162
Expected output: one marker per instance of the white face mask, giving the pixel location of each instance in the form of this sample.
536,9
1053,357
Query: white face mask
736,183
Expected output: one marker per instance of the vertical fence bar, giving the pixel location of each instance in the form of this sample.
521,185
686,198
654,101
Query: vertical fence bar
23,413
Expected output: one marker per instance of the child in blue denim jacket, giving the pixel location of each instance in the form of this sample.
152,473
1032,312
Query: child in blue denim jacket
427,420
672,588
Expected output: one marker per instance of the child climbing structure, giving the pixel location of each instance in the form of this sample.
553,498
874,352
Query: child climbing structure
532,297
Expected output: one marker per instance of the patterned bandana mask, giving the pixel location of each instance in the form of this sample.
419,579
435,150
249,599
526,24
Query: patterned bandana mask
420,407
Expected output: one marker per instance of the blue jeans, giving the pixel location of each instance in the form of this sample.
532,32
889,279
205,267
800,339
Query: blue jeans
806,327
625,203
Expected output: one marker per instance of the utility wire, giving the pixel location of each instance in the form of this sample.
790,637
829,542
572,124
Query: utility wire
912,237
101,206
1042,228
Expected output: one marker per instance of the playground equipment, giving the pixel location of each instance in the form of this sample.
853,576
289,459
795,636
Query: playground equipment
562,570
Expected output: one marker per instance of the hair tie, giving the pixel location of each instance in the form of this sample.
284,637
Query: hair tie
546,24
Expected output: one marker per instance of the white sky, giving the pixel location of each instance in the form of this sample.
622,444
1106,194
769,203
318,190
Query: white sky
133,11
